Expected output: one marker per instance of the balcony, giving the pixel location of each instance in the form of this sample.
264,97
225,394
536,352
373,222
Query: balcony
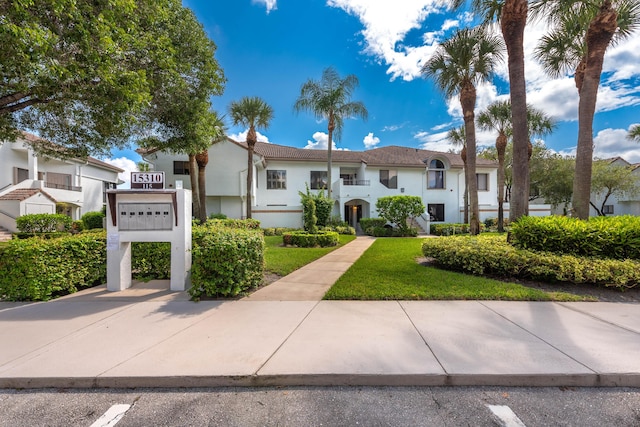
62,186
358,182
353,188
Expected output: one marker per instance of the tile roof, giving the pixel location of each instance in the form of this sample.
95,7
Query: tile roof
383,156
21,194
34,139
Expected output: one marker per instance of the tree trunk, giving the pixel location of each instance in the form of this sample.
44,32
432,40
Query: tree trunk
251,143
195,193
465,195
330,129
599,35
501,146
468,102
202,159
513,21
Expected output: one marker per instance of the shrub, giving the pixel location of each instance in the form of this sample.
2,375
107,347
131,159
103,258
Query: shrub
448,229
227,261
217,216
340,229
493,255
323,206
38,270
276,231
247,224
92,220
77,226
303,239
43,223
398,209
369,224
151,260
616,237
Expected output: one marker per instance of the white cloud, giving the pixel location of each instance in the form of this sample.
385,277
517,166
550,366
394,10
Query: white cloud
128,165
613,143
269,4
387,24
370,141
321,142
435,141
242,137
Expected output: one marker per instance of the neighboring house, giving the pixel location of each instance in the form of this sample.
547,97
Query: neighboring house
38,184
629,204
281,172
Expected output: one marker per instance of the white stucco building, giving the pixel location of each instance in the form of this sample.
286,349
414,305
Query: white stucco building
359,179
36,184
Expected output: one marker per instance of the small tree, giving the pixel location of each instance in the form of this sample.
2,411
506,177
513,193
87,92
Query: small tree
323,206
398,209
612,180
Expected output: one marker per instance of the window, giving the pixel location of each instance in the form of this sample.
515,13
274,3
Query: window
607,209
436,174
180,167
389,178
276,180
436,212
107,186
482,179
318,180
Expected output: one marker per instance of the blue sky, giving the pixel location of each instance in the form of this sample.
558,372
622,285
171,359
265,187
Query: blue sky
269,48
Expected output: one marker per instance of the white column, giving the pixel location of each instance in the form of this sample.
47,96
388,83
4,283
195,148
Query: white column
33,164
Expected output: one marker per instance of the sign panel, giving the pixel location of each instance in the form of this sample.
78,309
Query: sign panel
147,180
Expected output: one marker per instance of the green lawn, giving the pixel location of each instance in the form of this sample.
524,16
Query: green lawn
388,271
282,260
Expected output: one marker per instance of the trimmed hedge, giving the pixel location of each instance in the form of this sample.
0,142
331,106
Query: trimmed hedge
616,237
247,224
227,261
43,223
150,260
38,269
450,229
303,239
492,255
92,220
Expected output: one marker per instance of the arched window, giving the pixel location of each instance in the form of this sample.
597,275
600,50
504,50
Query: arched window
435,177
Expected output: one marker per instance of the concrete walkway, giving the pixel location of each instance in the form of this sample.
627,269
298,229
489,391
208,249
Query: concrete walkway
150,337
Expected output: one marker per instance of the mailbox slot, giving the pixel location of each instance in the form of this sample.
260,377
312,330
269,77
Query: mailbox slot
145,216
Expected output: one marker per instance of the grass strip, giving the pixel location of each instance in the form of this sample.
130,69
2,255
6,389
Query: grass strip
388,270
283,260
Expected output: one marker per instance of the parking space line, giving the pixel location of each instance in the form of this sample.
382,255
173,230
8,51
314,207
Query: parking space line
506,416
112,416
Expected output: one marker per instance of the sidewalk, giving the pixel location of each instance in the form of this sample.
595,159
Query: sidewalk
150,337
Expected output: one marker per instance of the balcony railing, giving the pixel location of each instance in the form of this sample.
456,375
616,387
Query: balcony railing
62,186
361,182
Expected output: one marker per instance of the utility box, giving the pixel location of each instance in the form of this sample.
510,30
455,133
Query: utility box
148,216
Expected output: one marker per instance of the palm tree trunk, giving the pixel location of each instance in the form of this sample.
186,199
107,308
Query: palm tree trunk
513,21
465,194
501,145
251,143
330,129
468,102
202,159
599,35
195,193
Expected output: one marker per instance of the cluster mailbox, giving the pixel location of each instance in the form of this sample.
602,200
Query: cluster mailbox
145,216
148,215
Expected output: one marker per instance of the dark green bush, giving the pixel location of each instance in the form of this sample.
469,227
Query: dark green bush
227,261
616,237
77,226
217,216
150,260
92,220
340,229
368,224
276,231
448,229
43,223
38,269
303,239
247,224
492,255
52,235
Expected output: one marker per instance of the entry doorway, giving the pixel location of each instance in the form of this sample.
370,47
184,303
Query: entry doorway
352,214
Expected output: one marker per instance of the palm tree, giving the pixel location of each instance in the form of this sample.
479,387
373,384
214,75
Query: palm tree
497,117
512,15
457,138
458,65
254,113
330,99
202,159
580,34
634,133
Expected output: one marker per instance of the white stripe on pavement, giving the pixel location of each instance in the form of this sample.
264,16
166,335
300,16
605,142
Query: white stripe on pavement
112,416
506,416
